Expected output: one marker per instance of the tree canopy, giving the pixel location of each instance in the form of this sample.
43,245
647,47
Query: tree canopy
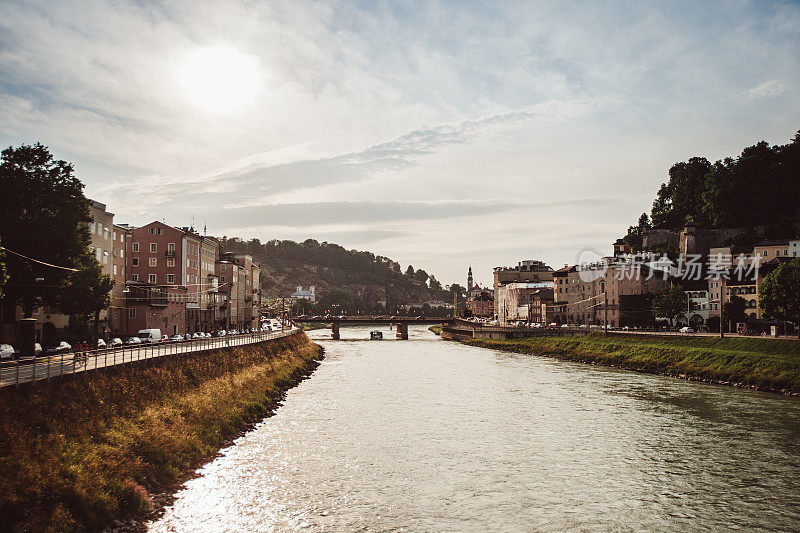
757,188
44,217
779,294
670,303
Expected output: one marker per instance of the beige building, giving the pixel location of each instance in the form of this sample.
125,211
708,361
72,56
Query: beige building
529,271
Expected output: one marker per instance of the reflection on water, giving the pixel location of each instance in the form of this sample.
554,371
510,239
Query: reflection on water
430,435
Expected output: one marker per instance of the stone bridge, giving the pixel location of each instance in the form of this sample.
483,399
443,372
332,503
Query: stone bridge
401,322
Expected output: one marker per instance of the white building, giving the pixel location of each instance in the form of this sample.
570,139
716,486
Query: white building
308,295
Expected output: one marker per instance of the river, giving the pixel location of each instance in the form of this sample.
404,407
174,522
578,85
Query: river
431,435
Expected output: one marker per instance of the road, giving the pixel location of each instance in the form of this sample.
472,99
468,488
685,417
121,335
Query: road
26,370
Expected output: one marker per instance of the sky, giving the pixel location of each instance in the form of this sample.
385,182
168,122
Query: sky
440,134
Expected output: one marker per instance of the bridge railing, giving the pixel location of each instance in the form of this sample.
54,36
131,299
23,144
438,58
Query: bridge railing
49,367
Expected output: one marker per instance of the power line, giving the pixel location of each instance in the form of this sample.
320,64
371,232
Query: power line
40,262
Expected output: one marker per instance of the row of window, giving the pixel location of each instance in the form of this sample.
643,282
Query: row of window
153,278
154,247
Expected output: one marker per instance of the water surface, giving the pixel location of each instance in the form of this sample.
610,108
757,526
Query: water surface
430,435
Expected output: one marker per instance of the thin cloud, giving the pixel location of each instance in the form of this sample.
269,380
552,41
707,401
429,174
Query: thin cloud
768,88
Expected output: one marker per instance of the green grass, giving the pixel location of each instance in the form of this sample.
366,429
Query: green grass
78,454
767,364
435,329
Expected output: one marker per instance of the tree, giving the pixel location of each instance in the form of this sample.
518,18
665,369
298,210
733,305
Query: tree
635,236
733,311
670,303
410,271
86,293
421,275
44,217
780,292
434,284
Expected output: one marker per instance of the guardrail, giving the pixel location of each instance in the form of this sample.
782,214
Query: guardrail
54,366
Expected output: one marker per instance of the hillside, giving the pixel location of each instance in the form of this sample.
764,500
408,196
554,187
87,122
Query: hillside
350,278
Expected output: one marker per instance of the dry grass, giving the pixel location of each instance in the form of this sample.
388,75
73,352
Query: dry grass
80,453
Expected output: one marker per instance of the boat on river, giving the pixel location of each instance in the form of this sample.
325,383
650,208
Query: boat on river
375,335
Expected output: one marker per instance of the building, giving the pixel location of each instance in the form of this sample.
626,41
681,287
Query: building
228,276
309,295
209,284
166,256
594,297
529,271
151,306
119,234
517,302
481,303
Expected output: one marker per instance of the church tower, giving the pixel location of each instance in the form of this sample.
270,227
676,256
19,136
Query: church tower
469,280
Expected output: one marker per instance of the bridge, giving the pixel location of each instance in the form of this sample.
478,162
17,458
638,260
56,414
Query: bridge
401,322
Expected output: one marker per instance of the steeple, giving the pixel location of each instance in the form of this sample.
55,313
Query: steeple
469,280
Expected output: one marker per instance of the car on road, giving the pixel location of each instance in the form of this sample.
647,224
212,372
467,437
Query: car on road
176,338
149,335
133,340
116,341
6,351
198,335
686,329
101,344
61,347
221,333
164,338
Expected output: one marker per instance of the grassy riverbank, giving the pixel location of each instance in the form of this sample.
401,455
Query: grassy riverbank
767,364
435,329
96,448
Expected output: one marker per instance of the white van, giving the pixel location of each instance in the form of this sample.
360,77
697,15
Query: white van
149,335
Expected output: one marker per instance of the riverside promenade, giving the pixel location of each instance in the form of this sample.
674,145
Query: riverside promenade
45,368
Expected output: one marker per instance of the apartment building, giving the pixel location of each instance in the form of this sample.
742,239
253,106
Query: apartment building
528,271
119,234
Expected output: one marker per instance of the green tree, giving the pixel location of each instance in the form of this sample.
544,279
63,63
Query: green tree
421,275
86,293
779,295
434,284
670,303
635,236
733,311
410,271
44,217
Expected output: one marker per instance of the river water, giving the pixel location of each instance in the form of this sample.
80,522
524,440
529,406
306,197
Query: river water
431,435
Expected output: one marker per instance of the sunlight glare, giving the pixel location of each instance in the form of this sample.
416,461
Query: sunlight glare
219,79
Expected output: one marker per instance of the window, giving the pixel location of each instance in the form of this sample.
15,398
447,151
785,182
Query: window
135,247
153,247
135,261
223,267
152,278
222,278
132,313
105,258
170,278
134,277
153,261
171,247
122,253
171,262
98,253
115,270
766,253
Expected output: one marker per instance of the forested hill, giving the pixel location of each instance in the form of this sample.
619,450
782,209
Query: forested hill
760,187
367,278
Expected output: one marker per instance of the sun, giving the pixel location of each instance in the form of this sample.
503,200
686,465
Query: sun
219,79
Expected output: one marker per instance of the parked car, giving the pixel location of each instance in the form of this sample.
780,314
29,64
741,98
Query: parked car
221,333
116,341
176,338
233,332
164,338
133,340
101,344
198,335
149,335
686,329
6,351
61,347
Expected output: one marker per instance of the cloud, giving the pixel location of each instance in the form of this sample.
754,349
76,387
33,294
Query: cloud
768,88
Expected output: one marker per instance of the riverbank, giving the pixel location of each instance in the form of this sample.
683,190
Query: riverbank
103,446
763,364
435,329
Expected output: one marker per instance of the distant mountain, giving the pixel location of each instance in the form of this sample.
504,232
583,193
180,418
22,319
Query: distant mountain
351,278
